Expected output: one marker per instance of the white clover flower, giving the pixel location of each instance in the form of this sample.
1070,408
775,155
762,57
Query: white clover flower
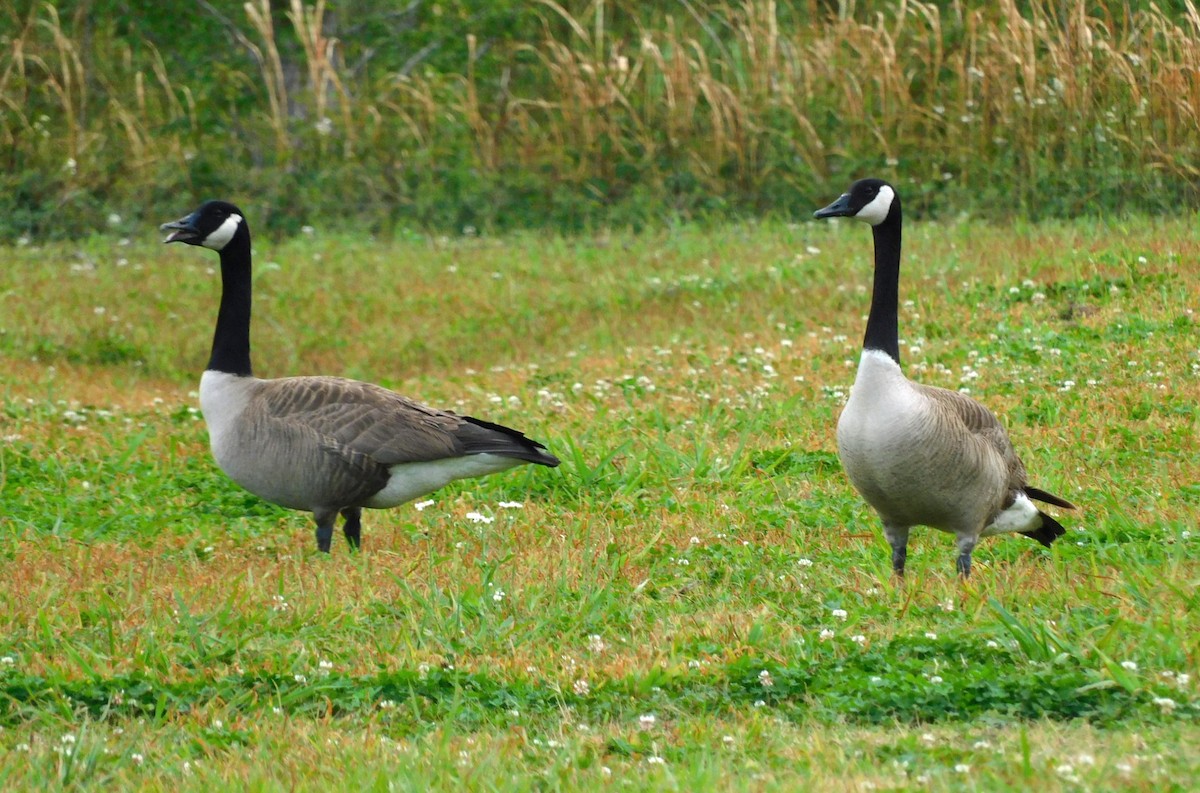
1130,665
646,720
839,614
764,679
804,562
581,687
826,634
477,517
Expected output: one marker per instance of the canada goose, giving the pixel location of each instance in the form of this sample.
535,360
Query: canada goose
325,444
922,455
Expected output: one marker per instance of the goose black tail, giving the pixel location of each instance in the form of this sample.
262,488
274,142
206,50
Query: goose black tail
508,442
1047,498
1050,531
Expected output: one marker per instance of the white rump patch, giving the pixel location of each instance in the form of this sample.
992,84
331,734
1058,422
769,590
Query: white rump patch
219,238
1021,516
409,480
877,211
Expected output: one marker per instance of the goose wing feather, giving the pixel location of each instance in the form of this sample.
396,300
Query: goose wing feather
981,422
371,426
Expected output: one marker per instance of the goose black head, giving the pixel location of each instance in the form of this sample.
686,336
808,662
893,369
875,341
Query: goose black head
213,225
869,200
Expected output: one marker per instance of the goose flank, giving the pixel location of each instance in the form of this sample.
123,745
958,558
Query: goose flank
326,445
921,455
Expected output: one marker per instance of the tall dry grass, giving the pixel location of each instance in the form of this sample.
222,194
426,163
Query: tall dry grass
1042,107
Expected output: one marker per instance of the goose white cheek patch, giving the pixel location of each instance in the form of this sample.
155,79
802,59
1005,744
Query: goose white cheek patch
219,238
877,211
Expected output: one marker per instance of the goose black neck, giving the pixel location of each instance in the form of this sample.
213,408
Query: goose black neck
231,340
883,328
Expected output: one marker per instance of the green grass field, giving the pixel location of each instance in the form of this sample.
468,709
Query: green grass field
696,599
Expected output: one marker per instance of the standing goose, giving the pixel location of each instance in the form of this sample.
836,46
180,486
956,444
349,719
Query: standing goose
325,444
922,455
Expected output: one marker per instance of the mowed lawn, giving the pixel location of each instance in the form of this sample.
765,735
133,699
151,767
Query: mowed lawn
695,600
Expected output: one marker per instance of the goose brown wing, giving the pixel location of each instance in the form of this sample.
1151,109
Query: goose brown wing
368,424
980,421
364,419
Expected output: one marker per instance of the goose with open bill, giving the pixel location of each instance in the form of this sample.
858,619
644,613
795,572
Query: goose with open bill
326,445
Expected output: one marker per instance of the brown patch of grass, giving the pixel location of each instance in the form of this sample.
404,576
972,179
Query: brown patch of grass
90,385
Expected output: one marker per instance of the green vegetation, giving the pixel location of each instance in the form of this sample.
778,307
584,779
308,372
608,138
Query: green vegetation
695,600
456,115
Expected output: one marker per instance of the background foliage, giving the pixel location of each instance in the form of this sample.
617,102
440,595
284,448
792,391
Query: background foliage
499,115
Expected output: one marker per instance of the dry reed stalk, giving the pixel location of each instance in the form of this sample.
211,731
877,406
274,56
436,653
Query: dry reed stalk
1036,86
271,70
320,57
62,75
14,86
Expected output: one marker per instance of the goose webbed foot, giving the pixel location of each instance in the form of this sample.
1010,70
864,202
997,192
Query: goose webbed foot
353,527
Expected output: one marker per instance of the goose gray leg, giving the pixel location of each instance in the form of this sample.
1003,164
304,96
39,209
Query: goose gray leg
353,526
897,537
325,519
966,544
